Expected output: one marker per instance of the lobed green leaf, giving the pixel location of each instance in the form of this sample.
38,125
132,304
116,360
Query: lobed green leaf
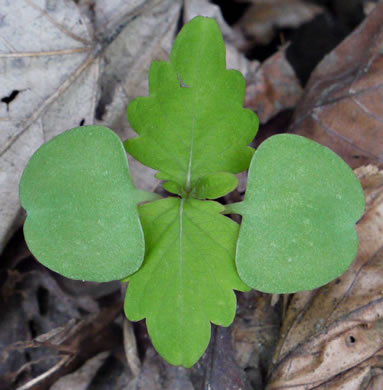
193,123
187,278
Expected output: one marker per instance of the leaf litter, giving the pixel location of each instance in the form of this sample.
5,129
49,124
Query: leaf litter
264,17
54,70
332,337
273,87
352,315
341,106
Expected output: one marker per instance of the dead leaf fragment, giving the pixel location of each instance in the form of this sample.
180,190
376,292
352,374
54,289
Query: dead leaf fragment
149,29
273,87
332,337
264,17
46,72
81,378
342,104
59,71
255,334
130,347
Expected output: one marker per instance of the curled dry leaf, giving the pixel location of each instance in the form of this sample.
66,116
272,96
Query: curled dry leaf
57,350
218,367
55,74
332,338
130,347
81,378
274,87
148,30
157,374
369,6
264,17
255,334
342,105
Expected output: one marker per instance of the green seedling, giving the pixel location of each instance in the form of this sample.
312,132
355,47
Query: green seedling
182,256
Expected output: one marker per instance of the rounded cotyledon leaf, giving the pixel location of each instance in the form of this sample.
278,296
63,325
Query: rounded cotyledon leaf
81,203
299,214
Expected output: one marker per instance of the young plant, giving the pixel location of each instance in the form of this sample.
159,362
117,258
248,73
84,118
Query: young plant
183,258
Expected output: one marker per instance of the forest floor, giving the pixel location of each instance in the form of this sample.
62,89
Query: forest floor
313,68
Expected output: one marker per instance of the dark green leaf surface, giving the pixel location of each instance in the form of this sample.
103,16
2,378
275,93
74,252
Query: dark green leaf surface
82,206
193,123
187,278
299,214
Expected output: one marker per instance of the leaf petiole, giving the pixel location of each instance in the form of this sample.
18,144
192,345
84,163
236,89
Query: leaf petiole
233,208
145,196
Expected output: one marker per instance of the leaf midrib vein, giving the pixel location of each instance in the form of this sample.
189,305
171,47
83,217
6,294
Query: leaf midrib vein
180,275
195,91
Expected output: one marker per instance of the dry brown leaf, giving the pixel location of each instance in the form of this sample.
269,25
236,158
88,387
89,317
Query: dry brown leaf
273,88
81,378
55,75
264,17
64,339
342,104
148,28
255,334
369,6
46,55
130,347
332,337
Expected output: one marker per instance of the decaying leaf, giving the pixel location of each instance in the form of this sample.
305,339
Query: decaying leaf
44,77
218,368
332,337
265,16
81,378
342,104
43,333
273,87
149,28
255,334
55,75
